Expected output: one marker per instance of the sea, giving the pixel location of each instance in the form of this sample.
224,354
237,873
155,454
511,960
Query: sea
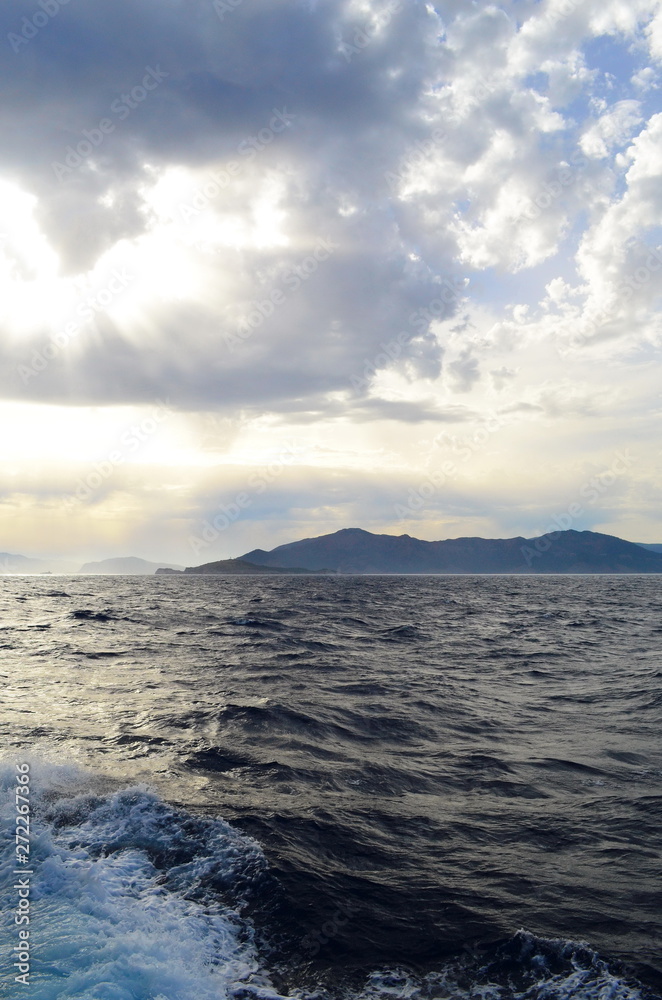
331,787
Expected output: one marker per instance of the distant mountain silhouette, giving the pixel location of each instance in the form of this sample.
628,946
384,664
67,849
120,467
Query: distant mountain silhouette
353,550
652,547
10,563
125,566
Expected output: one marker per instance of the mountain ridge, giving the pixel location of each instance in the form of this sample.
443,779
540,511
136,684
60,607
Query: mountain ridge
356,551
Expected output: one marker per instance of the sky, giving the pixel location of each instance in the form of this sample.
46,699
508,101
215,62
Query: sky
271,268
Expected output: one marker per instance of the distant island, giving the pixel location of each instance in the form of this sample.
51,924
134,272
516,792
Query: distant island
13,564
126,566
118,566
355,551
239,567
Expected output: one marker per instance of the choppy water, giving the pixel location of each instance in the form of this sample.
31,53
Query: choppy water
378,787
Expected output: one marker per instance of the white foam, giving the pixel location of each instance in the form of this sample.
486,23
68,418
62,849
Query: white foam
104,926
538,969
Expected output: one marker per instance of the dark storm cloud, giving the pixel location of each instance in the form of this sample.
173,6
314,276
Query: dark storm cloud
222,80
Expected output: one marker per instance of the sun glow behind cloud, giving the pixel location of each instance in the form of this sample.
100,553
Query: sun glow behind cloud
161,266
30,291
198,208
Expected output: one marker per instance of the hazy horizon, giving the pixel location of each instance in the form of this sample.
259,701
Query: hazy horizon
204,558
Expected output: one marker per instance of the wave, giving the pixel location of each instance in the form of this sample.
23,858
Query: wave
264,623
135,899
131,898
525,968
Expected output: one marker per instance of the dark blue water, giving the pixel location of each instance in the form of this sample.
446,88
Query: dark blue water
381,787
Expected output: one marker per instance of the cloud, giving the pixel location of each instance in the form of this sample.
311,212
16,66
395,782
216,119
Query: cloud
340,214
227,156
465,372
213,189
611,129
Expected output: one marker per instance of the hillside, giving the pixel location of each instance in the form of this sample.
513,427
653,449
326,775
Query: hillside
352,550
240,567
